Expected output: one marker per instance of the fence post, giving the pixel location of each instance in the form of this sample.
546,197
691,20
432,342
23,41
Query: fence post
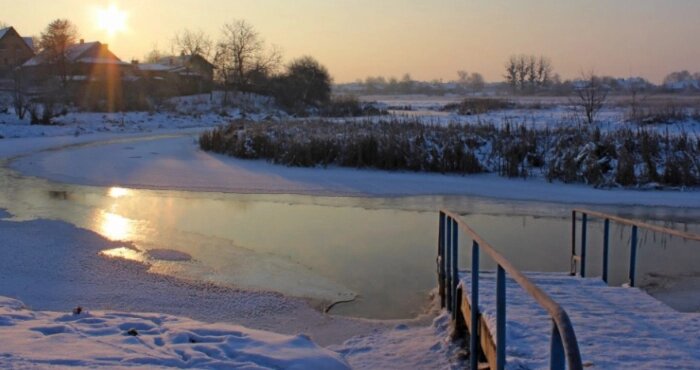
500,319
557,358
573,243
584,232
441,260
448,265
606,248
633,255
474,335
455,267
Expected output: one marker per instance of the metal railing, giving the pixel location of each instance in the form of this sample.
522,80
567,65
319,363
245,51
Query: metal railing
581,258
563,346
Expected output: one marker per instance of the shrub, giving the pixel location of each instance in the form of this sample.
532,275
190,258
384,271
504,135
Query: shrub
659,113
306,83
567,153
350,106
470,106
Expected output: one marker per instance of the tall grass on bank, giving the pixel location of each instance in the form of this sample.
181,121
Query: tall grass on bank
577,154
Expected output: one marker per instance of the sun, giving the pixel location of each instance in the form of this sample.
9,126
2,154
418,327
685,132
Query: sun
112,20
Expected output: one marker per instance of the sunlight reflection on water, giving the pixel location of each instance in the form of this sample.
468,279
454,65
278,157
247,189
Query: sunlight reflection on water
114,227
125,253
117,192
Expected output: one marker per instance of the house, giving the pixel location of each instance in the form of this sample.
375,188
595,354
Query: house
188,74
190,65
84,61
15,50
89,74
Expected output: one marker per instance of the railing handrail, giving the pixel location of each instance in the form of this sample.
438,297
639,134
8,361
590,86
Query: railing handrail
640,224
581,258
556,312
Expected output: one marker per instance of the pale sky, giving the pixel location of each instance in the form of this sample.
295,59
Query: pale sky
428,38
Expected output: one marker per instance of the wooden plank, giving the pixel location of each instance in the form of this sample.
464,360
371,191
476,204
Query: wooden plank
486,342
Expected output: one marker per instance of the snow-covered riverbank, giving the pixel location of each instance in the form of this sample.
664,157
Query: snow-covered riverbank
177,163
54,266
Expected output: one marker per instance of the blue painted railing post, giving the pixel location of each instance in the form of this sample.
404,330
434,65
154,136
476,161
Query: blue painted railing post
455,268
584,229
573,243
606,248
474,335
557,358
448,265
500,319
441,259
633,255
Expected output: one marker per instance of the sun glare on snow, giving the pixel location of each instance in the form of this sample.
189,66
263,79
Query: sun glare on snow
112,20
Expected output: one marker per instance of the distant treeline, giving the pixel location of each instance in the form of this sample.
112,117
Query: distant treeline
523,75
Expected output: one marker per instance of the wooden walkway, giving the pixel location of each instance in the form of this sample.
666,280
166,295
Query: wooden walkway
616,328
558,321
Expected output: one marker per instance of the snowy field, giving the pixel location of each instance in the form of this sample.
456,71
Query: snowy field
532,112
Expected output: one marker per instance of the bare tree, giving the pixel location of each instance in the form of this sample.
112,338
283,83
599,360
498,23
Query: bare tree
591,94
544,71
223,60
54,43
154,55
639,93
531,72
189,42
3,25
242,49
406,83
511,75
471,81
20,101
527,73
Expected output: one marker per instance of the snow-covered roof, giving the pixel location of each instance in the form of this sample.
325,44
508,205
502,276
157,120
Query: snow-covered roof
92,60
75,54
154,67
683,85
29,41
181,60
75,51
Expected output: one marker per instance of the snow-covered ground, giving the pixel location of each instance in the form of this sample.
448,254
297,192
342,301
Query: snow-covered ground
417,347
89,339
550,112
182,113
